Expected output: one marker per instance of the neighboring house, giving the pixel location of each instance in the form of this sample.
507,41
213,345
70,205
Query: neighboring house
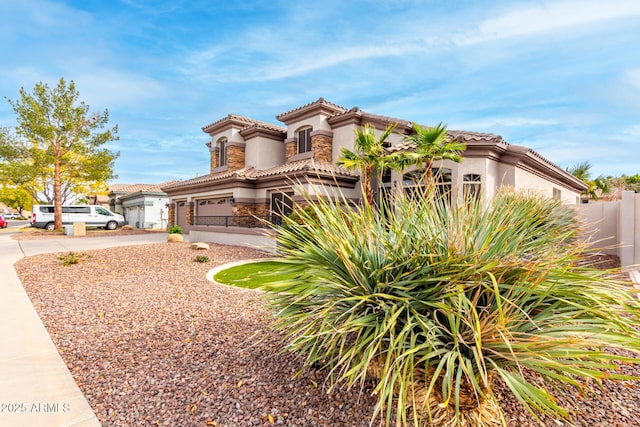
99,200
254,166
142,205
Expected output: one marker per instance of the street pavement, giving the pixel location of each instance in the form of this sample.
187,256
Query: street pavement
36,388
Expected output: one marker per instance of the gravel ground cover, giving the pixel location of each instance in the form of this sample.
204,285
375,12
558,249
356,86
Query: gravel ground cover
38,233
151,342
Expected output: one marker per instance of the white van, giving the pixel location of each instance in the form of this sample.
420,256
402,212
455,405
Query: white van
91,215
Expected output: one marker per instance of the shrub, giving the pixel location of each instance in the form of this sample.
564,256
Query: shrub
72,258
202,258
435,302
175,229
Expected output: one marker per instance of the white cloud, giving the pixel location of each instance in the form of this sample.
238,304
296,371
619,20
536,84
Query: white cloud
512,122
549,17
633,77
285,63
629,134
117,89
155,6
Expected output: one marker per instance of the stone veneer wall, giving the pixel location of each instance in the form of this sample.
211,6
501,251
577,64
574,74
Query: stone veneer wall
248,210
172,215
189,219
235,157
322,145
291,148
215,158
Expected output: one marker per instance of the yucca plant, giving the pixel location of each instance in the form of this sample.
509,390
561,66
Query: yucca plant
436,303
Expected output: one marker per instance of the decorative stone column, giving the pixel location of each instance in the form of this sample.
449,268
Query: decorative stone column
215,158
322,145
235,155
290,148
189,219
172,215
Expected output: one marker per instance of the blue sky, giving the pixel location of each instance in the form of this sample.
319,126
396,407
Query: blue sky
561,77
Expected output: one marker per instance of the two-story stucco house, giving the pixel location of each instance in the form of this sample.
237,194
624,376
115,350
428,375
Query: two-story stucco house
254,166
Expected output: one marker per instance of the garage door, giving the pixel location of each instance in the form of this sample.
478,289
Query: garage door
215,211
214,207
133,217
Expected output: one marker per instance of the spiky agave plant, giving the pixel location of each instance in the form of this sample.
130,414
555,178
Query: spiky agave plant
435,302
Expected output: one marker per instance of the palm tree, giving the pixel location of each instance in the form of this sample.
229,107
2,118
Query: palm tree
369,157
432,144
582,171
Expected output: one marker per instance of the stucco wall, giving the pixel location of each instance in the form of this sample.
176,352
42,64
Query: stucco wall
253,238
231,134
343,136
264,153
527,180
146,210
317,122
600,222
614,224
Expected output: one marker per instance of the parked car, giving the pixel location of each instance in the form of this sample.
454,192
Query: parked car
11,215
91,215
3,222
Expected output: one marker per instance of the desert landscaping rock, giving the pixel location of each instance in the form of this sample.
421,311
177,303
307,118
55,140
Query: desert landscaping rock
151,342
175,238
200,245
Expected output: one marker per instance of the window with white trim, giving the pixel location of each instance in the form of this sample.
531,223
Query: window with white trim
471,185
413,182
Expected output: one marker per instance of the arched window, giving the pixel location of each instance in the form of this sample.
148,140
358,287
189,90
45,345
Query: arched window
442,177
413,182
304,139
222,152
471,186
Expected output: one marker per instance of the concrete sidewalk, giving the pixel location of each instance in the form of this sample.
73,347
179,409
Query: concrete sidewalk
36,388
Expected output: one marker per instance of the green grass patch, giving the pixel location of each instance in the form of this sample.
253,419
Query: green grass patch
252,275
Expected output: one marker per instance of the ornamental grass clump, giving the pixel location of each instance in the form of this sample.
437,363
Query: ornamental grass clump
436,303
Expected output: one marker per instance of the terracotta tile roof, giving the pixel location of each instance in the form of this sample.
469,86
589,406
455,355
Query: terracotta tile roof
242,120
230,117
474,136
128,188
307,165
118,187
319,101
240,173
265,125
375,117
468,137
140,188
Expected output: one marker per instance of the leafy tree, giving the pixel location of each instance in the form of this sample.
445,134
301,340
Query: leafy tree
56,148
15,197
369,157
597,186
632,182
432,144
